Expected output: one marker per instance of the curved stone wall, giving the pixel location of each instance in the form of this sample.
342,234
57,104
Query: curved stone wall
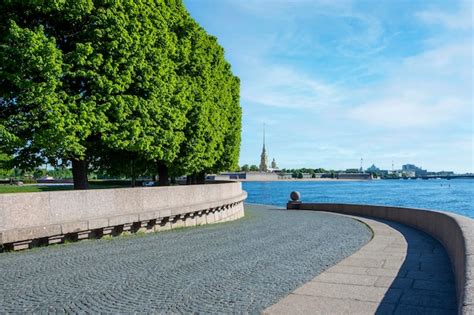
455,232
52,216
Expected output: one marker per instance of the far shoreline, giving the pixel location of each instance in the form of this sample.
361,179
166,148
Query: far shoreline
305,180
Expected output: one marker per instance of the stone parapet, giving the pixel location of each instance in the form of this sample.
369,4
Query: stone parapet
454,232
49,217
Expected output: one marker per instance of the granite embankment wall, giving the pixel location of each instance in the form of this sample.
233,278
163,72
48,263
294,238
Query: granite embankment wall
28,218
455,232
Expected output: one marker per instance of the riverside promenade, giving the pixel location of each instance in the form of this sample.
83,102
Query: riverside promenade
401,271
243,266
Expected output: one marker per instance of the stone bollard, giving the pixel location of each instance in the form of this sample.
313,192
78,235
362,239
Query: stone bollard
294,203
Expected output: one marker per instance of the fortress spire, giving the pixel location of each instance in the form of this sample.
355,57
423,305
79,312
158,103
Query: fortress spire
263,156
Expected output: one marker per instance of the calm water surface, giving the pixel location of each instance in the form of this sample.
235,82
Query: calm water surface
456,195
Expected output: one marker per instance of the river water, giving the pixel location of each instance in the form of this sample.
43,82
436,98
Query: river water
456,195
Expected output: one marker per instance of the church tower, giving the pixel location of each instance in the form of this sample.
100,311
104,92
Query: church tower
263,156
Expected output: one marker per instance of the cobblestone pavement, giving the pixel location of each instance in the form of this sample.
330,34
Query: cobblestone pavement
401,271
241,266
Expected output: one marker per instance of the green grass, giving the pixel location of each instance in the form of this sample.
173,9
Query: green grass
6,189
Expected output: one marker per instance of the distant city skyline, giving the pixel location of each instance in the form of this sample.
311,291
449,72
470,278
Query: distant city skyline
335,81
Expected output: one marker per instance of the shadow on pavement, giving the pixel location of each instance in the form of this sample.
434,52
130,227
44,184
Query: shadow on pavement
425,281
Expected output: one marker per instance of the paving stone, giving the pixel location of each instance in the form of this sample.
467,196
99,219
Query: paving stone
392,264
425,298
348,270
392,249
300,304
434,285
425,266
394,282
429,275
378,255
362,262
342,278
351,292
385,272
403,309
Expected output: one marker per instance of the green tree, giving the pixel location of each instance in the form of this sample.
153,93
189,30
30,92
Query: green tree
232,135
320,170
82,79
39,172
213,124
245,168
150,116
60,172
254,168
61,65
6,166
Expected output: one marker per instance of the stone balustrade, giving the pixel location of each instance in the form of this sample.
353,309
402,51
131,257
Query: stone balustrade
454,232
28,219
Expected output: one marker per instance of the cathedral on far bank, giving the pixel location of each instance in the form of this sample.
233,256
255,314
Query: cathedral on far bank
264,173
264,158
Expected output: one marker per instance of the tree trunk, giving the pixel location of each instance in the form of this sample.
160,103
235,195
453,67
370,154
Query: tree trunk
191,179
133,181
163,176
79,174
201,178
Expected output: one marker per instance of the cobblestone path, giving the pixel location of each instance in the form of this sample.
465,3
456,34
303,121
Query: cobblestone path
241,266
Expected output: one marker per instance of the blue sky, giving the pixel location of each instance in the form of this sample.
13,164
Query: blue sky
335,81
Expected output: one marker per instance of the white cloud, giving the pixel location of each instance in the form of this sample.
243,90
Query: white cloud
397,113
284,87
458,20
425,90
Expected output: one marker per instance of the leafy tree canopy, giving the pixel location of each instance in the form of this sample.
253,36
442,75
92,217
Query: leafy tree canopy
83,80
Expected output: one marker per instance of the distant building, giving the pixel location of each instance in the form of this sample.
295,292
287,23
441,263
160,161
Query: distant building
274,168
282,175
373,169
355,176
442,173
232,175
274,164
410,169
250,176
409,173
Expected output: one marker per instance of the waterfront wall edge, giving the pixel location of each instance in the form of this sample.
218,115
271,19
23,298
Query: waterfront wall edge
51,217
454,232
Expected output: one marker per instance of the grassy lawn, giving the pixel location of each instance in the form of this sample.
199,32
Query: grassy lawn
5,188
